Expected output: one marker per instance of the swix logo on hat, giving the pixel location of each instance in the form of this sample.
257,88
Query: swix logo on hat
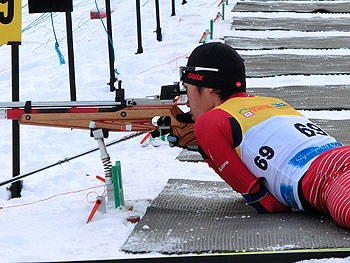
195,76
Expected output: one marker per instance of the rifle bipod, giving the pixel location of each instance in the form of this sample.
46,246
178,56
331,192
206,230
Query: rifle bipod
99,135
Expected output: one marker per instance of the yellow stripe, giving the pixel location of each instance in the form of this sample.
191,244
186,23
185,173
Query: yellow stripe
250,111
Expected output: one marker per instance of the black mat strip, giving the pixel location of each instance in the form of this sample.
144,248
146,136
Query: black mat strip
282,256
326,97
285,23
192,216
311,7
312,42
278,257
269,65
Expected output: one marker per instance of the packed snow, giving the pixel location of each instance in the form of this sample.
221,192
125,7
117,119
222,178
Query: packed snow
49,222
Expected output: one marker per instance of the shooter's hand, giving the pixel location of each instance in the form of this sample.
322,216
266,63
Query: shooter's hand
174,140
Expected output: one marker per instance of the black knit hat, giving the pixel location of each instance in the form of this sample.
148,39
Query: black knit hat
215,65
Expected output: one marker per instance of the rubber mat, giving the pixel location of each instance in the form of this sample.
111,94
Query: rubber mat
311,7
269,65
311,42
192,216
283,23
327,97
189,156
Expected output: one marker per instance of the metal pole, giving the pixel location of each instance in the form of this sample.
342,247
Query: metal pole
17,186
73,92
138,20
113,79
173,8
158,30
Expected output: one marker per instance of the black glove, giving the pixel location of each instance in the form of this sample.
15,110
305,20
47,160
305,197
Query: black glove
184,117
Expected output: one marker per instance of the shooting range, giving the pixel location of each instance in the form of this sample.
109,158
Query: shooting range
84,83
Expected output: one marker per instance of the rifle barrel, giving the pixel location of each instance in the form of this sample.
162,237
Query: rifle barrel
56,104
150,100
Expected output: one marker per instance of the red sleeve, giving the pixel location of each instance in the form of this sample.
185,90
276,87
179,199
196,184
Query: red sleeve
214,134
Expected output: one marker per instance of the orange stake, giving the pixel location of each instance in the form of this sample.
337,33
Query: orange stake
216,18
100,178
145,138
94,209
200,41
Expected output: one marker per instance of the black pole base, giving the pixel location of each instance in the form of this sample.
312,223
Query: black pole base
139,51
15,189
159,34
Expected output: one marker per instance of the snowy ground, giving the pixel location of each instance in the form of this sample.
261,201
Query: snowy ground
54,227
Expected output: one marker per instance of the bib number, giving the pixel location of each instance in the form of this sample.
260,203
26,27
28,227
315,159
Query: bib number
266,153
310,129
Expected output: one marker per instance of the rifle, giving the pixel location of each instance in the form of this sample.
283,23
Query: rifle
155,114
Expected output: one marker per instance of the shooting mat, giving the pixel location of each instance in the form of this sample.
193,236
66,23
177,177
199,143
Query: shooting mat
310,7
311,42
192,216
289,23
269,65
327,97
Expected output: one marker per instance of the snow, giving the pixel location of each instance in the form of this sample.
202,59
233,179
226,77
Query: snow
49,222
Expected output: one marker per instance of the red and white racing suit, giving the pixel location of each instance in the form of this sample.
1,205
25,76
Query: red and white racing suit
275,157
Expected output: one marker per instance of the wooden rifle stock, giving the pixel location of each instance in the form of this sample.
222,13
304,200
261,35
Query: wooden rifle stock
129,118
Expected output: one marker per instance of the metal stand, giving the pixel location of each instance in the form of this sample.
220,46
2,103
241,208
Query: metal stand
158,30
17,186
73,92
138,21
112,79
173,8
106,161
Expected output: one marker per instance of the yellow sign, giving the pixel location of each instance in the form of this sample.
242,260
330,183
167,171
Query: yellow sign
10,21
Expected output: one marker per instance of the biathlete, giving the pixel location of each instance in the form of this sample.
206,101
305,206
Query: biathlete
262,147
